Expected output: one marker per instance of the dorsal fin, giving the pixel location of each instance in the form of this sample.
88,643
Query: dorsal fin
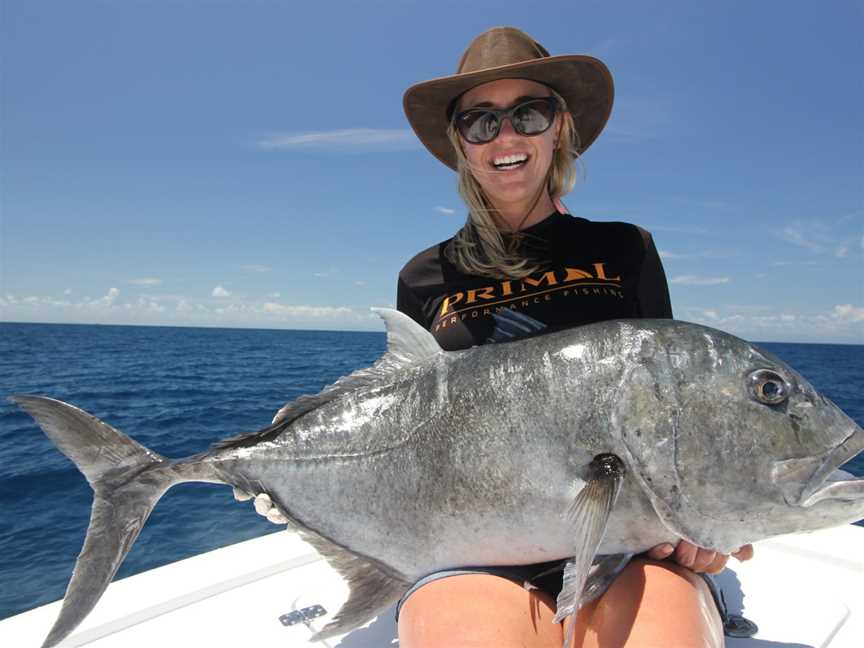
407,343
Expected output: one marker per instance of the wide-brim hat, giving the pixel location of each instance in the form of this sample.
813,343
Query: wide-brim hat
508,53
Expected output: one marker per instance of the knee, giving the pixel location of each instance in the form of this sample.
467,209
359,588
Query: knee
656,604
667,585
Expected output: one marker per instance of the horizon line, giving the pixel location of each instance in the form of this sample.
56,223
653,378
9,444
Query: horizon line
260,328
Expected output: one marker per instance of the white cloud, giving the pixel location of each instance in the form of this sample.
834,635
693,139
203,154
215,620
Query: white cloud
800,236
359,283
274,308
696,280
274,295
843,323
146,305
68,291
848,313
185,311
347,138
320,275
254,267
38,302
219,291
840,322
820,237
146,281
445,210
108,298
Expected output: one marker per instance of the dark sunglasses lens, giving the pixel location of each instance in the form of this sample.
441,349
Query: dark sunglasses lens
533,117
478,126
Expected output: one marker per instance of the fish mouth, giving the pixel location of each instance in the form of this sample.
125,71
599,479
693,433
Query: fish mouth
829,481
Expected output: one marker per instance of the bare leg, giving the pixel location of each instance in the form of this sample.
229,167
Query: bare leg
478,611
650,605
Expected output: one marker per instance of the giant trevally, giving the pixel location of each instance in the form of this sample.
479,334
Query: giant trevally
601,440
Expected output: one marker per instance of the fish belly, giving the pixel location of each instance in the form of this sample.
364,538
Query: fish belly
392,509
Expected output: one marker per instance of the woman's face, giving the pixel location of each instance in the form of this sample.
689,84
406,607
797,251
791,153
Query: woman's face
506,184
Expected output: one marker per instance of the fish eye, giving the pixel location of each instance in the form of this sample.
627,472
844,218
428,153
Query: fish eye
769,387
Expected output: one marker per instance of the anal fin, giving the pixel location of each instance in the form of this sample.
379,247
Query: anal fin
372,585
589,515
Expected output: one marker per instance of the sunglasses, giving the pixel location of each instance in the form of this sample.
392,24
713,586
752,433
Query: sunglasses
482,125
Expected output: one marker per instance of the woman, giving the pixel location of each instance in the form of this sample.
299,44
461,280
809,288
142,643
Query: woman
511,122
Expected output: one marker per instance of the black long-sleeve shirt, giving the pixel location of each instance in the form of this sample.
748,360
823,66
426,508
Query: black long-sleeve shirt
590,271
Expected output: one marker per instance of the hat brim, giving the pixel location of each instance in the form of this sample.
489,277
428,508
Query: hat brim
583,81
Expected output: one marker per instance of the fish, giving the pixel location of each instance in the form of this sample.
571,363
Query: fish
584,445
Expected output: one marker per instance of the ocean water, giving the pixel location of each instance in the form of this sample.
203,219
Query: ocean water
176,390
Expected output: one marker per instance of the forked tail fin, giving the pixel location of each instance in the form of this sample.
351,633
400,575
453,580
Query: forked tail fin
127,480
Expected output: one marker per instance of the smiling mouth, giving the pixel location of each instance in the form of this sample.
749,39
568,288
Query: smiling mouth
510,162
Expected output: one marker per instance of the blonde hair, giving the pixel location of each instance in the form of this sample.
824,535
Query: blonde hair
479,248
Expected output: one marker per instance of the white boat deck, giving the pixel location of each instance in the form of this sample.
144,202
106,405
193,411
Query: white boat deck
802,591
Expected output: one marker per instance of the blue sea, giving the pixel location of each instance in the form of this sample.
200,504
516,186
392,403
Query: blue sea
176,390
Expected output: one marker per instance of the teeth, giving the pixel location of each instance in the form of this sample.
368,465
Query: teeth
509,159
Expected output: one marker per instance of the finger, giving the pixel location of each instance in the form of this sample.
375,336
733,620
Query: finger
241,496
704,559
685,553
718,565
661,552
744,553
263,503
276,517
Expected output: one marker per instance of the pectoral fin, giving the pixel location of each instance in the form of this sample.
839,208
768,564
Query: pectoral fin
512,325
603,572
589,515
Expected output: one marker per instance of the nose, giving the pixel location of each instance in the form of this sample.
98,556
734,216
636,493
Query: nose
507,128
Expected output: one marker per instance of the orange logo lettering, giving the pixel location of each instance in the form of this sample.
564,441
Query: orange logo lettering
548,277
449,300
601,273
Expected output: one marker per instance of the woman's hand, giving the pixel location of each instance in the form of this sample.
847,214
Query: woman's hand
263,506
696,558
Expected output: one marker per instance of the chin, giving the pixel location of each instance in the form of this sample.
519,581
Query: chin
512,194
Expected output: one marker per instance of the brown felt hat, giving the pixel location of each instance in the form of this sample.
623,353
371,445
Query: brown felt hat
508,53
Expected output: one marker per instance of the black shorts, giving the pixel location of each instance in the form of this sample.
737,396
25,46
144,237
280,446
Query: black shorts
547,577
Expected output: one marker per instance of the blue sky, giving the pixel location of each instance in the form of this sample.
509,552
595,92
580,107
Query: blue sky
248,163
